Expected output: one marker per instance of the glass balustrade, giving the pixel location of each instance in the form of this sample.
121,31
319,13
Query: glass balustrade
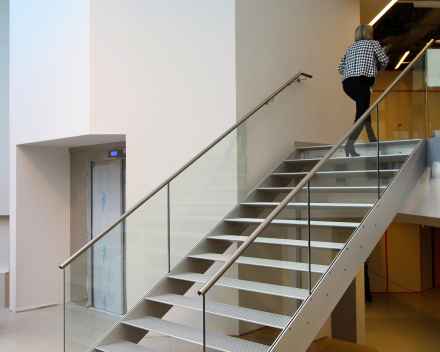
170,246
266,285
111,277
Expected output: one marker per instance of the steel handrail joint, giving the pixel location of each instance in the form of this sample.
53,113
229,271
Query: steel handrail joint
183,168
205,288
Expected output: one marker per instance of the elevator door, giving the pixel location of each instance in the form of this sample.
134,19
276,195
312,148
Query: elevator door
108,253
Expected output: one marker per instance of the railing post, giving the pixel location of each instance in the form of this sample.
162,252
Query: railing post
64,310
169,227
309,238
204,324
378,161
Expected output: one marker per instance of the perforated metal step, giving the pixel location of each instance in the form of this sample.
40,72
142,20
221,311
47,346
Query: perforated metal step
187,333
282,222
321,174
225,310
316,147
397,143
367,189
388,157
281,241
276,290
326,206
123,346
268,263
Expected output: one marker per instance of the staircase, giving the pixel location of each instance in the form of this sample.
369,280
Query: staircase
281,259
271,284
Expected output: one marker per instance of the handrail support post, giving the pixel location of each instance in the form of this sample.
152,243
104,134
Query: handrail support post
378,161
204,323
309,238
168,227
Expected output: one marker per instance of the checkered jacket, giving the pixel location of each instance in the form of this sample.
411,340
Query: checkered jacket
361,59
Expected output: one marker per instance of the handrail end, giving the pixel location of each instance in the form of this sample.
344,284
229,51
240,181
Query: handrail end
61,266
306,74
199,293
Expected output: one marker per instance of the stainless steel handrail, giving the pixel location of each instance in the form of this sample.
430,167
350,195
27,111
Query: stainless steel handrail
205,288
183,168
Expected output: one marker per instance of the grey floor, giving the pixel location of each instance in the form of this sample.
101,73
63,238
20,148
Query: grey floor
33,331
395,322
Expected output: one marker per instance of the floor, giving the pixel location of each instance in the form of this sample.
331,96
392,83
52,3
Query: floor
394,322
404,322
39,330
266,336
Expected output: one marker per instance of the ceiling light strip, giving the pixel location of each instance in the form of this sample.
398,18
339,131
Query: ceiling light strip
381,13
401,60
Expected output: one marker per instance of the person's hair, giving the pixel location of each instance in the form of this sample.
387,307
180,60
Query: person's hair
363,32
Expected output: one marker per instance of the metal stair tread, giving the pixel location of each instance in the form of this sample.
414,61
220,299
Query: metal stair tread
283,291
123,346
194,335
350,206
226,310
269,263
350,160
281,241
357,173
359,189
316,147
297,222
367,144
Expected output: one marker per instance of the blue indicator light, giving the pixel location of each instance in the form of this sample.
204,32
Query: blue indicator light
114,153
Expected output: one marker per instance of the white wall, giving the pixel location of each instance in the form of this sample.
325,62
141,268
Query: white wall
164,74
4,244
276,40
41,240
4,107
49,99
49,72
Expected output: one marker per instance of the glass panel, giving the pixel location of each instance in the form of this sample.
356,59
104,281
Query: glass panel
403,116
433,83
277,272
403,112
84,324
341,194
93,280
159,234
202,195
147,247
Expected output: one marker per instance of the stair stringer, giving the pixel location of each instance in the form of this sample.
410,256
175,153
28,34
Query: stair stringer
315,310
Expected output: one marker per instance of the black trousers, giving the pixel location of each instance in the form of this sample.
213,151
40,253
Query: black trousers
367,284
358,89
